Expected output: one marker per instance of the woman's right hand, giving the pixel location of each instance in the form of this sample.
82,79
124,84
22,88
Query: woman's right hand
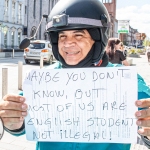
13,111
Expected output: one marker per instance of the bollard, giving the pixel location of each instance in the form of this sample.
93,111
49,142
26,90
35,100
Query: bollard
20,63
41,62
4,81
13,53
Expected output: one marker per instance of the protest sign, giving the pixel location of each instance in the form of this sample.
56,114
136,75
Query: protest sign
81,105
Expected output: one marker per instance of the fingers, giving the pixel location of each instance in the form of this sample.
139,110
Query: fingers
13,110
11,105
143,103
144,131
143,122
14,98
144,113
12,113
143,117
12,118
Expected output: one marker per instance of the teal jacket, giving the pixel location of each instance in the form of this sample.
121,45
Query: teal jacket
143,92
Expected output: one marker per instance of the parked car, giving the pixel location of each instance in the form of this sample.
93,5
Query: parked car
140,46
37,48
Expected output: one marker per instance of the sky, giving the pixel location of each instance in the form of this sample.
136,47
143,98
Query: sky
137,11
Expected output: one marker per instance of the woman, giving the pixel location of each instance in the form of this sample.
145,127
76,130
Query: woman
114,52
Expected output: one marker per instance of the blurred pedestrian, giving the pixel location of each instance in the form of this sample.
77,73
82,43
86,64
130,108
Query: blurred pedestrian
115,53
148,53
122,48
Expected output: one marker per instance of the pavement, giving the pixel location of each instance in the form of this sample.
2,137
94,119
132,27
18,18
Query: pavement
9,142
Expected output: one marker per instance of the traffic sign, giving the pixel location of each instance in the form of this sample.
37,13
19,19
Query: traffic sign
123,26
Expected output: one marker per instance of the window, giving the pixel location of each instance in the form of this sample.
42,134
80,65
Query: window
45,36
34,9
5,40
13,12
106,1
5,30
19,13
33,30
25,9
19,38
6,7
49,7
53,3
37,45
12,39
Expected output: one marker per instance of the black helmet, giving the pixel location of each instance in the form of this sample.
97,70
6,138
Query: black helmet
79,14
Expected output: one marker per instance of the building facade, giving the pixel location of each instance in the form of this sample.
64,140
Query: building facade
130,38
111,7
36,9
127,38
20,19
11,23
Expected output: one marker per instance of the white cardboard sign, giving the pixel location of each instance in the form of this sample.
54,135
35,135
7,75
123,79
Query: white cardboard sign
81,105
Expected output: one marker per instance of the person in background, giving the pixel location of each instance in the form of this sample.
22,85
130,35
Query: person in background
122,48
115,53
148,53
78,31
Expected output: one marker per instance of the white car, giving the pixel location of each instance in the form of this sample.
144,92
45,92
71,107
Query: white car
36,49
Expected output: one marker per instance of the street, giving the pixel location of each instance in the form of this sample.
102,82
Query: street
10,142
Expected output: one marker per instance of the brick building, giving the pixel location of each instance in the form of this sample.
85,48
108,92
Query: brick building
111,7
126,38
11,23
20,19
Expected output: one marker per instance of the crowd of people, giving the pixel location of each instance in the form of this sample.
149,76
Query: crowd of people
79,31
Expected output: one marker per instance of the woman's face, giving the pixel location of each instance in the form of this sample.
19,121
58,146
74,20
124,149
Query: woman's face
74,45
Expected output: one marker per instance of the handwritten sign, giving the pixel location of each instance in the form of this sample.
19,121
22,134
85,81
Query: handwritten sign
81,105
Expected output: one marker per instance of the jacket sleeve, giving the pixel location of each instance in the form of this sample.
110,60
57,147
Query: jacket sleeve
146,141
143,92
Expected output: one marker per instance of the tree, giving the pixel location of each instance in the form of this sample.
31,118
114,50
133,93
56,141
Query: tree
146,42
